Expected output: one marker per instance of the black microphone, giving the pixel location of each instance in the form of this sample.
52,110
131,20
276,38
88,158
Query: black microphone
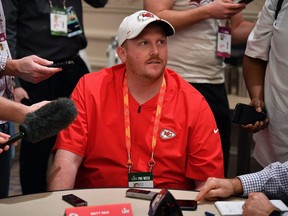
45,122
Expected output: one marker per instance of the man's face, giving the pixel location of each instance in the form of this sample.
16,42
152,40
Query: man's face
146,55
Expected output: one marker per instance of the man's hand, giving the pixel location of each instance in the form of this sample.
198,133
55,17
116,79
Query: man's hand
259,125
38,105
224,9
216,187
258,204
3,139
31,68
20,94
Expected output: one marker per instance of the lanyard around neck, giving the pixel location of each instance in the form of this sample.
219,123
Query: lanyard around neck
151,162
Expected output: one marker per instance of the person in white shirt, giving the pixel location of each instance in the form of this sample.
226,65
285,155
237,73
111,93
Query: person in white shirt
265,73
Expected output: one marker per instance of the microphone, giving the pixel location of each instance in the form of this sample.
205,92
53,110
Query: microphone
45,122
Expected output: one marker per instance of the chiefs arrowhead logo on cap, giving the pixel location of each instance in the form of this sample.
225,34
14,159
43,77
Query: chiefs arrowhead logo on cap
145,16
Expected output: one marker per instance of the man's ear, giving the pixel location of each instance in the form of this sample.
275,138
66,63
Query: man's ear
121,52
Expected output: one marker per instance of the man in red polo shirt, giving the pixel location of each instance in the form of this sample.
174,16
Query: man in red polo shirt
136,123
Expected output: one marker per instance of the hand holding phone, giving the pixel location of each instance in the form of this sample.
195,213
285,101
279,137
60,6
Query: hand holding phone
245,114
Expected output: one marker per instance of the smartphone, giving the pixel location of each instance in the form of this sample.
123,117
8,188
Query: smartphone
62,63
140,194
74,200
245,114
26,101
243,1
190,205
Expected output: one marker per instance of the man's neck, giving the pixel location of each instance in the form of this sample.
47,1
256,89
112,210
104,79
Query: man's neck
144,90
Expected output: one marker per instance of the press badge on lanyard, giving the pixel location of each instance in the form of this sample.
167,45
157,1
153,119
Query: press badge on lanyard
141,179
63,21
224,41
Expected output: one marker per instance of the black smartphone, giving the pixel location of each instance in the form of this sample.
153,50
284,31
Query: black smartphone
140,194
74,200
245,114
243,1
190,205
26,102
62,63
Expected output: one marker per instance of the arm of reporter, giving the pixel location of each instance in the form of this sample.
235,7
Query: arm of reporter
12,111
63,170
16,112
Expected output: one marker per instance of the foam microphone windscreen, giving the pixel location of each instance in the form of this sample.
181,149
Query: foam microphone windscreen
46,122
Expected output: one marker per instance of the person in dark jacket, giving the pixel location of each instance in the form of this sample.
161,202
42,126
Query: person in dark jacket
30,30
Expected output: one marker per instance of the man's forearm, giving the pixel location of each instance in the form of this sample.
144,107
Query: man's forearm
63,171
12,111
182,19
254,74
59,179
241,32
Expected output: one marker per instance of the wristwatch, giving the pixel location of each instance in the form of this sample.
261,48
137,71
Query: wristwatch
276,213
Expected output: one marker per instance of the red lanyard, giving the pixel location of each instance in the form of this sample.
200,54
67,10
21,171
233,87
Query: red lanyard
151,162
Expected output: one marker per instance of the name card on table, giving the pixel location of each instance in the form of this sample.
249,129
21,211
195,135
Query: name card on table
107,210
234,208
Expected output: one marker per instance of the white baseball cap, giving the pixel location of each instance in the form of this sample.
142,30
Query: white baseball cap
134,24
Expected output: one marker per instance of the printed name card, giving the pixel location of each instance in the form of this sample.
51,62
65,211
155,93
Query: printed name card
234,208
112,210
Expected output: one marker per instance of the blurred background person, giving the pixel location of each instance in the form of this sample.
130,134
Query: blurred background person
30,68
193,51
30,31
265,73
259,187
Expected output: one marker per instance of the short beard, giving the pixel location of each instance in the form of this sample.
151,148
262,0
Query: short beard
143,75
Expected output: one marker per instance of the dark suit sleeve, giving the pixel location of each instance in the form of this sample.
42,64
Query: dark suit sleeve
11,15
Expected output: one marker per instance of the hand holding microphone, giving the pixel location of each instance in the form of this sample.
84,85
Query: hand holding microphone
45,122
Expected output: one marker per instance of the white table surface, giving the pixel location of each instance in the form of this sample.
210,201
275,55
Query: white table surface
51,203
